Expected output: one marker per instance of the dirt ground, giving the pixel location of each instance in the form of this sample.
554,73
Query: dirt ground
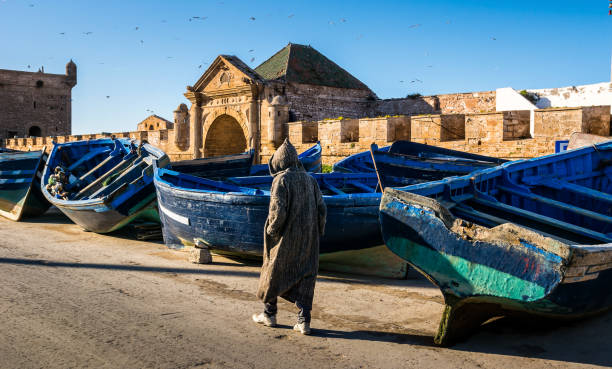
74,299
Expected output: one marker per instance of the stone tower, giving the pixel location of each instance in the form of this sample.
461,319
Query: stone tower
181,126
71,74
36,104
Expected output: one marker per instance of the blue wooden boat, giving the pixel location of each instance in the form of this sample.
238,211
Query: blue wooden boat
310,159
406,163
110,182
20,174
527,237
217,167
358,163
229,216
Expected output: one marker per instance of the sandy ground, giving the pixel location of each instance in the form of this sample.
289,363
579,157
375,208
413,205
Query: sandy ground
74,299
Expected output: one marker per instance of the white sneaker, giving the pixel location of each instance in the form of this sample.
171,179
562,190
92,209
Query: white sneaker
262,318
303,328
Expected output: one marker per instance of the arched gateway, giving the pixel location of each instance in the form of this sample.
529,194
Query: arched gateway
224,137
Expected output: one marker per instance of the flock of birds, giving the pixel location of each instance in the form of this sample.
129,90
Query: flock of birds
197,18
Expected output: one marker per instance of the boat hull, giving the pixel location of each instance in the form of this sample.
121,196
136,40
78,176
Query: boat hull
103,218
507,271
234,223
20,195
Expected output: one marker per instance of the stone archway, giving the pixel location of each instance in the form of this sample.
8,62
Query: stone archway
34,131
224,136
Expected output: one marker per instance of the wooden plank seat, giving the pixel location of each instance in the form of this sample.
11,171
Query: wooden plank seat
98,183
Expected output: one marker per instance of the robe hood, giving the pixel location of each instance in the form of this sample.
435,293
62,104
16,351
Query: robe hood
285,157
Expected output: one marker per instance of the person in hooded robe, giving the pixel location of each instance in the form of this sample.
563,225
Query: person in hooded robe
296,222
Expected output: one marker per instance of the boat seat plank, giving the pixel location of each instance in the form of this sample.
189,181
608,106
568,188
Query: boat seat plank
16,172
87,157
333,188
544,219
361,186
127,175
93,170
94,186
558,204
579,189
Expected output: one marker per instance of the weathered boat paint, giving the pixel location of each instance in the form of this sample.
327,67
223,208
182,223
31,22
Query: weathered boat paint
506,241
20,174
406,163
310,159
230,218
112,182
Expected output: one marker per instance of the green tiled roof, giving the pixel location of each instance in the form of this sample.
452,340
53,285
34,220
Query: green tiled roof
303,64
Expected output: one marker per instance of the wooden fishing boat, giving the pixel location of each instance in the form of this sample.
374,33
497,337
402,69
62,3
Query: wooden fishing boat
406,163
527,237
110,182
20,174
229,216
217,167
358,163
310,159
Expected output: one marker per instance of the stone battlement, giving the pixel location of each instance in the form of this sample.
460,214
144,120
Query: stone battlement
503,134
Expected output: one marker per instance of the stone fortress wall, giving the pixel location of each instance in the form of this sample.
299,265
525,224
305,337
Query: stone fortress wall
500,134
36,103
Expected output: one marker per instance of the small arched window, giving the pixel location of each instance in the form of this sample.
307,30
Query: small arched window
151,127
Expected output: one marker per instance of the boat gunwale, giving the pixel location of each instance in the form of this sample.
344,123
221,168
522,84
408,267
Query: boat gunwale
211,195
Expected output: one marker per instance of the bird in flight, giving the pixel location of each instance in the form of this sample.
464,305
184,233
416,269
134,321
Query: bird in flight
136,29
251,50
107,96
342,20
142,42
252,60
252,18
416,80
493,38
290,15
87,33
414,25
199,66
62,33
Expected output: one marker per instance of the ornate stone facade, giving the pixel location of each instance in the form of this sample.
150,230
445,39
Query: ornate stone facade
36,104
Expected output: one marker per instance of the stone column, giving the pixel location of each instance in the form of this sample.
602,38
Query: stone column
195,130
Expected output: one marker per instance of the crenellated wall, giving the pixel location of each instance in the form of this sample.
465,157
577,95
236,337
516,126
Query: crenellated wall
501,134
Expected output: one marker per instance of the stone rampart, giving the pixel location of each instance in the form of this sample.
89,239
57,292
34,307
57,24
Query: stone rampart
500,134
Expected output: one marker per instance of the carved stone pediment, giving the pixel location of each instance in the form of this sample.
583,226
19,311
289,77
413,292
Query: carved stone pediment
225,73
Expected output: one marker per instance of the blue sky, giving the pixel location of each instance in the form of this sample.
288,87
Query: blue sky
451,46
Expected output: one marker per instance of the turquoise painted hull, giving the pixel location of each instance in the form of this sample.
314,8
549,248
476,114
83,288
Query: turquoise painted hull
487,272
